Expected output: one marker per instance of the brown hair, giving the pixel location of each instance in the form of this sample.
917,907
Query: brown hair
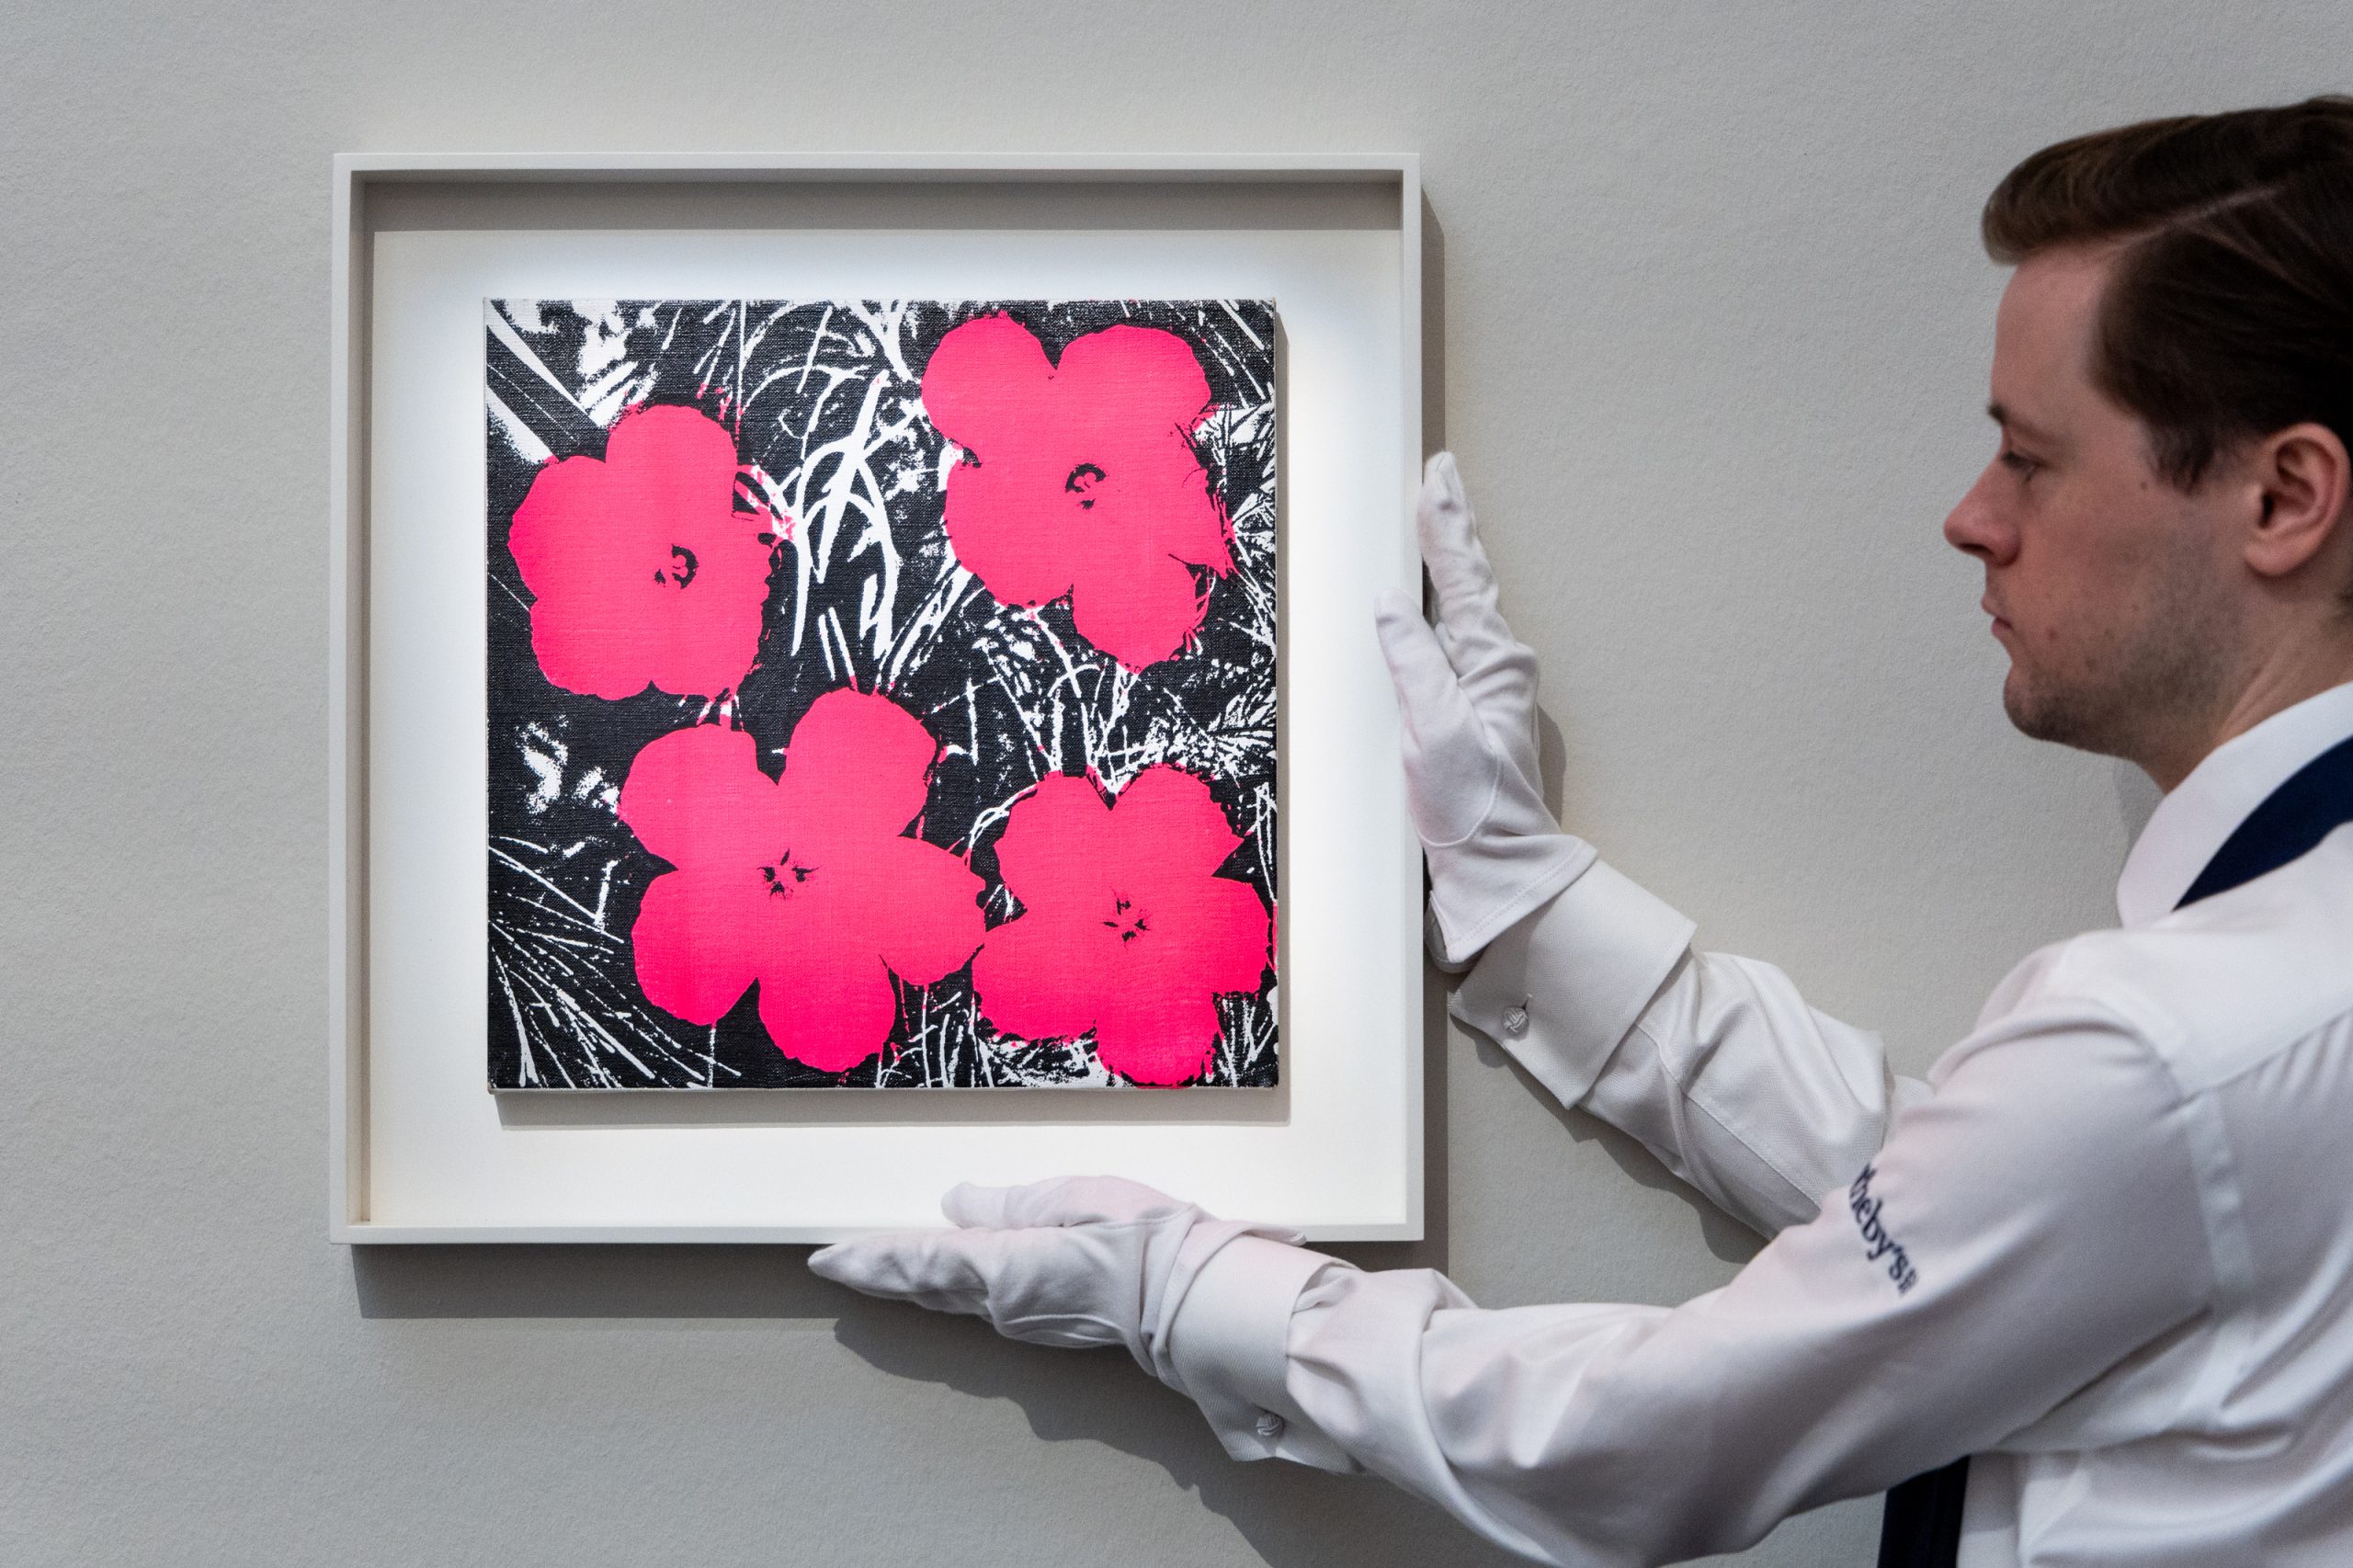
2230,312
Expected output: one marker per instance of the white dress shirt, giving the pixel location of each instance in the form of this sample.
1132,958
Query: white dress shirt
2107,1245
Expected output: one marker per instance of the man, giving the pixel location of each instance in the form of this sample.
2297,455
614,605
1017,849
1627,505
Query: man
2106,1246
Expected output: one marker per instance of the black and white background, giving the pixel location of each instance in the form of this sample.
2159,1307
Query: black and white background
823,398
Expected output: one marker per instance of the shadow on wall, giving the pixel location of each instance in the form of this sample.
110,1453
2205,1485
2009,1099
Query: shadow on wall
1292,1516
2136,798
1726,1237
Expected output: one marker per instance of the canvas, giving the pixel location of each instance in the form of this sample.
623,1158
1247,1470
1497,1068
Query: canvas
882,693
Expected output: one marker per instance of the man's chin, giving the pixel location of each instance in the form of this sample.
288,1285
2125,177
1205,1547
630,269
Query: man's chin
2042,715
2031,713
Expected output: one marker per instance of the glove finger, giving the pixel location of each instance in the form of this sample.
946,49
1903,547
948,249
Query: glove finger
939,1270
1495,666
1451,772
1451,548
1430,695
1060,1201
967,1205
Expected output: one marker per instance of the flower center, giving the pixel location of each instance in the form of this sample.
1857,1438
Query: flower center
784,874
1127,920
1083,478
682,567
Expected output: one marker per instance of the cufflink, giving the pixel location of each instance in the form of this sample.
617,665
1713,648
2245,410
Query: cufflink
1515,1021
1268,1425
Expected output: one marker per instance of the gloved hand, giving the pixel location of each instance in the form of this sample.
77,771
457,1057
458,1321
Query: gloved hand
1075,1261
1467,692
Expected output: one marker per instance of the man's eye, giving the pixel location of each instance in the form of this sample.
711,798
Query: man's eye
2020,464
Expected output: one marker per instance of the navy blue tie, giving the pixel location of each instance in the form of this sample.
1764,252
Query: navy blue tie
1922,1526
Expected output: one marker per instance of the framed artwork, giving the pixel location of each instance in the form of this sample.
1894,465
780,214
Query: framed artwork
851,674
880,693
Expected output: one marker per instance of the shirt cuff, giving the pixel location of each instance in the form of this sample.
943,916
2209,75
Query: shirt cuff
1229,1346
1562,987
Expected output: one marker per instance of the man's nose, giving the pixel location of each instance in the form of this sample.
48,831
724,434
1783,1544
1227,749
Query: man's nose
1975,525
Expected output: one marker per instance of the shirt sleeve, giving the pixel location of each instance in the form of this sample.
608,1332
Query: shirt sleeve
2023,1230
1714,1063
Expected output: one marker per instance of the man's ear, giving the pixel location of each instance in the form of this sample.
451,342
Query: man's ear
2304,477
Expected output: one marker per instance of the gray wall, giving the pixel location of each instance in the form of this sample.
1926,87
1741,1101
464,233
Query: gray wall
1715,332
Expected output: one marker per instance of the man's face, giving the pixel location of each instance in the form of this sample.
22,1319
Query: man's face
2107,585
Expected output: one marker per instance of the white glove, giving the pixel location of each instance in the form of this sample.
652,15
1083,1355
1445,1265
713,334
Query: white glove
1467,692
1076,1261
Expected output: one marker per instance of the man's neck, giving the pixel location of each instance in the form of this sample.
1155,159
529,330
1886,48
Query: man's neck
2291,672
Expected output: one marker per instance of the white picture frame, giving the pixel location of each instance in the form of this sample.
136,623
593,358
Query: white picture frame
419,1150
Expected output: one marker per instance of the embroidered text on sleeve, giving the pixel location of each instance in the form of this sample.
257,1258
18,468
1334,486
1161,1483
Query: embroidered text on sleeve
1866,1210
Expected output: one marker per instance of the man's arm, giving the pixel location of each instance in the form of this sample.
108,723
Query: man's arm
1714,1063
2021,1232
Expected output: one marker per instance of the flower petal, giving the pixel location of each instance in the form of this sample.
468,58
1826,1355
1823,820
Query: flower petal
1167,827
913,905
856,764
1134,378
697,941
582,574
1138,608
1156,1039
560,538
1214,935
1056,841
827,1007
697,799
667,462
1007,521
1037,977
612,666
985,380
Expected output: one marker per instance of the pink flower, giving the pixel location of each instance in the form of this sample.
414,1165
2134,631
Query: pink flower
641,571
1127,930
804,884
1081,479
